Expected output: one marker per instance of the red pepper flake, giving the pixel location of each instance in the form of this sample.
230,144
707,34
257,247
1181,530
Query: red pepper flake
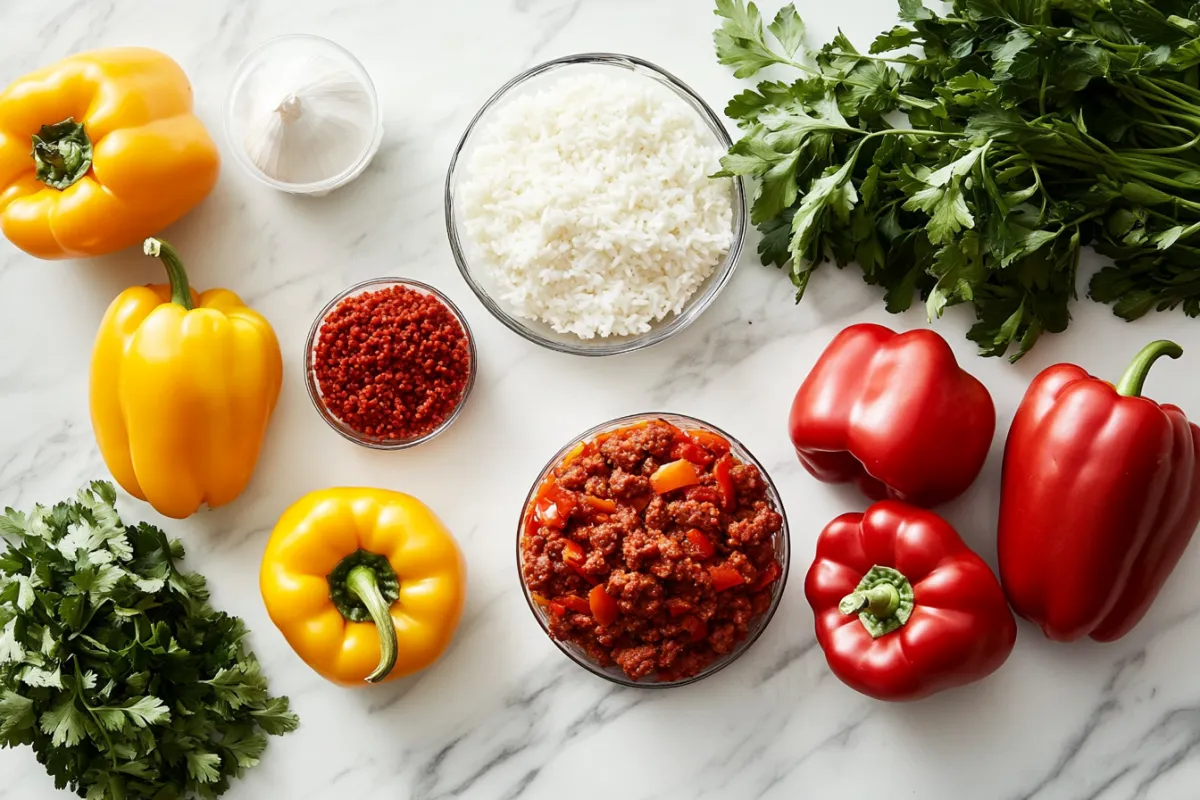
392,363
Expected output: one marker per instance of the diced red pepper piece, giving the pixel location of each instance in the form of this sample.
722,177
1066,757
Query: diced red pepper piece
604,605
574,557
686,448
557,609
712,442
699,544
677,607
725,577
572,553
695,627
640,502
722,471
575,603
674,475
600,504
767,576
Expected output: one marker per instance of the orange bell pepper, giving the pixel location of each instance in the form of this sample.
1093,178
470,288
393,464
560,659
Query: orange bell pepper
117,154
674,475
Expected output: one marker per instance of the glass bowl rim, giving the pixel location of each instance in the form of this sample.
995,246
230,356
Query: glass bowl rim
310,380
784,536
668,327
241,72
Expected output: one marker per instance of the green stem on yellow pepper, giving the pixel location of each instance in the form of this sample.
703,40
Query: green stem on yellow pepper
362,582
181,291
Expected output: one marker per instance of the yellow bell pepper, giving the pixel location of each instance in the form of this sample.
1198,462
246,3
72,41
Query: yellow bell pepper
182,388
117,153
366,585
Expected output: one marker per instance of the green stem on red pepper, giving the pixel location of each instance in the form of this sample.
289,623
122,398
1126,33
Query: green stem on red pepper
883,601
1135,376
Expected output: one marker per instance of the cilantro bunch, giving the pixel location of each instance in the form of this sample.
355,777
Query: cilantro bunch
977,170
114,667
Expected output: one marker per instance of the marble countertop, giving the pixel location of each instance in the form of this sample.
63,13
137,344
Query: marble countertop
504,714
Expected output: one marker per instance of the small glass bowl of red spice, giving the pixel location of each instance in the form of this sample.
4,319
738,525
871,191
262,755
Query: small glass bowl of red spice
390,363
653,550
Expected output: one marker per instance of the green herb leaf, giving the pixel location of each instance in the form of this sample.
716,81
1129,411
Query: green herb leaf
788,28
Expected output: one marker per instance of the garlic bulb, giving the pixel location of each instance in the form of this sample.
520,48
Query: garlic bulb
306,119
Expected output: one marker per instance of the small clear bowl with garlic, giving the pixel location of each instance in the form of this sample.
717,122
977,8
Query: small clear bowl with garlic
302,115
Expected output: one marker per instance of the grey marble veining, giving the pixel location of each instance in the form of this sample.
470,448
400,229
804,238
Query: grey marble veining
504,715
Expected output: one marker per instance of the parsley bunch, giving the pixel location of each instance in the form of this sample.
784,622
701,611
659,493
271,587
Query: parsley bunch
976,171
114,667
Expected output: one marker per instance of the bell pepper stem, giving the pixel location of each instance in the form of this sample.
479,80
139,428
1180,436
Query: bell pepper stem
62,153
882,600
1134,377
181,291
362,582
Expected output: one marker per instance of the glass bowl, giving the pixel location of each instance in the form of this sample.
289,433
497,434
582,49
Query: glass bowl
484,285
314,389
269,70
782,551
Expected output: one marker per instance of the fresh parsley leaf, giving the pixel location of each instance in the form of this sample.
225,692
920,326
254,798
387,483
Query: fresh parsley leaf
914,11
788,28
203,767
16,714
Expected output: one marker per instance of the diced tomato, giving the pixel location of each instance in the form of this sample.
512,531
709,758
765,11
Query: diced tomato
575,603
684,447
695,627
767,576
557,609
677,607
699,544
604,606
712,442
600,504
725,577
674,475
722,472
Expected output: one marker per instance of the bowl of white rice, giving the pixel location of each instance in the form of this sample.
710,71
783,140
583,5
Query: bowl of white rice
582,209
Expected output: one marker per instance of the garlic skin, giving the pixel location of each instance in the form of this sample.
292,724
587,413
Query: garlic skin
305,121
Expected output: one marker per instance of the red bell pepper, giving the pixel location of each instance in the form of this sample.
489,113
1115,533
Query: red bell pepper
1100,497
893,413
903,607
723,473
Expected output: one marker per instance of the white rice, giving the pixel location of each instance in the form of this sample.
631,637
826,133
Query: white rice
590,205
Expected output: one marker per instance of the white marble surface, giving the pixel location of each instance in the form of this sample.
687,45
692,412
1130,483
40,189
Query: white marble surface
504,715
